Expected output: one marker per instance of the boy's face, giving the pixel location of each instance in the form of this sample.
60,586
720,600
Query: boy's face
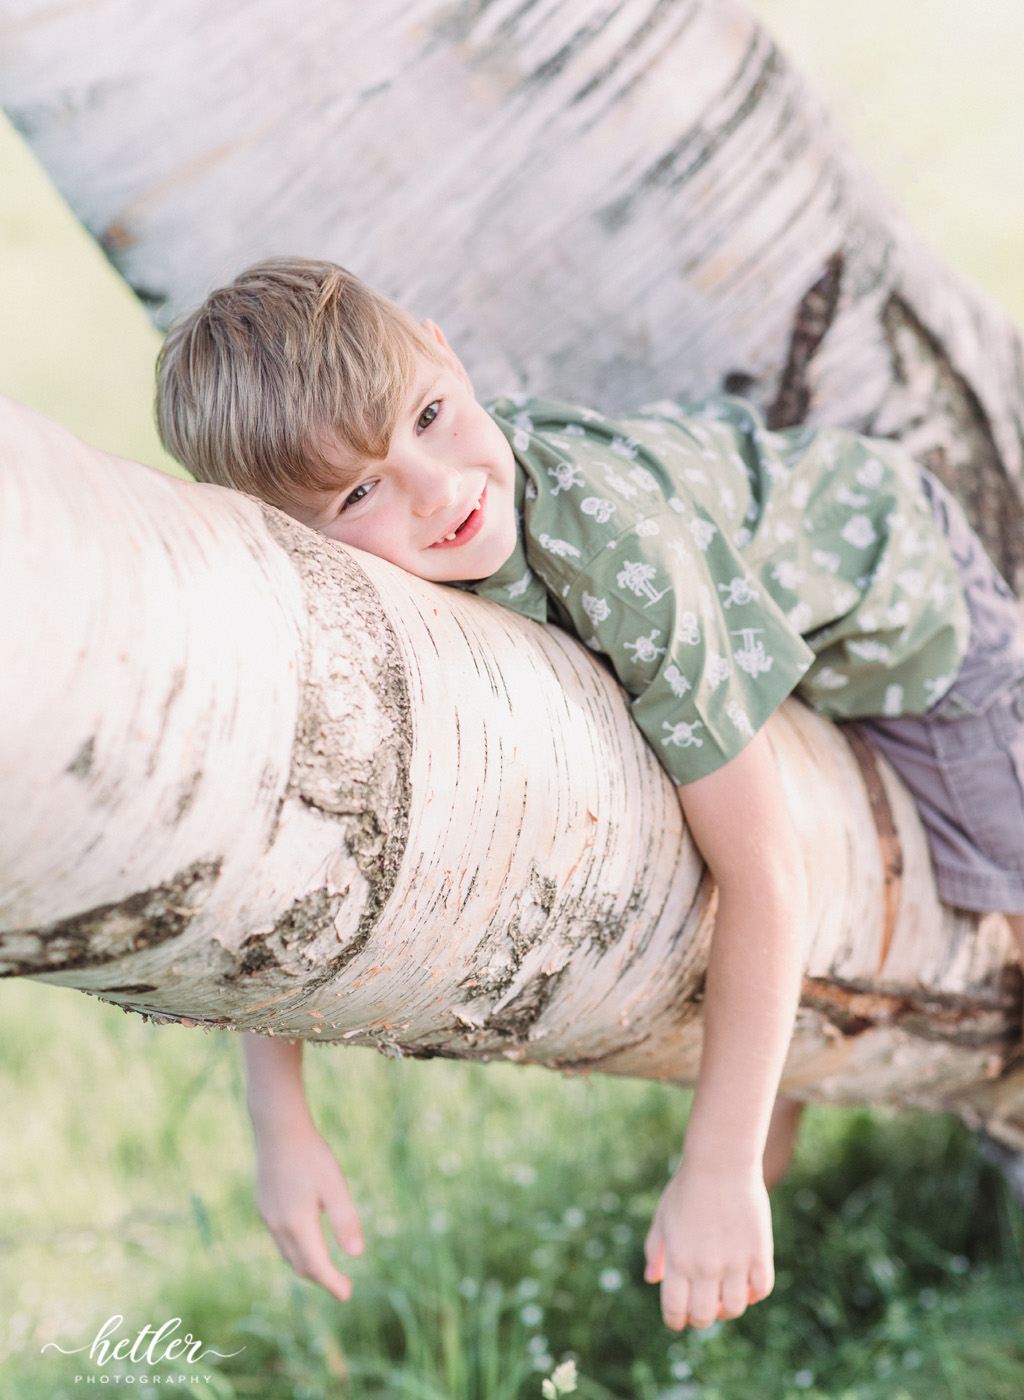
441,504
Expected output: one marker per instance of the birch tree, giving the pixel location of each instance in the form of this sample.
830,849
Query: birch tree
267,785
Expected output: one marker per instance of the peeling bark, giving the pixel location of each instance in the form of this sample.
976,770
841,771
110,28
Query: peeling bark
373,794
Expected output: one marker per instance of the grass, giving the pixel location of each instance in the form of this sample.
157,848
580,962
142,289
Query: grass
505,1212
76,343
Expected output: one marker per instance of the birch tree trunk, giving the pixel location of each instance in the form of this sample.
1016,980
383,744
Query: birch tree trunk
610,202
268,784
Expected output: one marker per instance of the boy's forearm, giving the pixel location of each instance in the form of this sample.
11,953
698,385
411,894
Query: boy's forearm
740,821
751,996
274,1090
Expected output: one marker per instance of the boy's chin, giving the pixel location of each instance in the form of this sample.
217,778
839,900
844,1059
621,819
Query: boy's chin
499,563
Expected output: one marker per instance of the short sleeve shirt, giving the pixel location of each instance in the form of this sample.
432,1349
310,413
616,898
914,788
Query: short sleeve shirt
719,567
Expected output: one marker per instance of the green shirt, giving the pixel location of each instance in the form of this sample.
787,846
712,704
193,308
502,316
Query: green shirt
719,567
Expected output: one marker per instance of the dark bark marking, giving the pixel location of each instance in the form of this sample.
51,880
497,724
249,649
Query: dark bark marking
189,791
433,1052
643,30
500,956
785,141
116,238
554,65
962,451
522,1013
987,1016
155,301
541,894
738,381
81,765
112,931
301,924
457,27
304,920
814,316
175,688
256,957
604,930
696,148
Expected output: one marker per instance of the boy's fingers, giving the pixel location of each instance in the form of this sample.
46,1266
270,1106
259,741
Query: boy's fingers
654,1256
704,1303
762,1281
675,1303
735,1295
327,1276
332,1279
307,1255
345,1223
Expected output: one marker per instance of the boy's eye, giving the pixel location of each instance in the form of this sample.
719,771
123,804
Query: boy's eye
428,415
357,494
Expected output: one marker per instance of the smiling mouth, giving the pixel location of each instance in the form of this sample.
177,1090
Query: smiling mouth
463,533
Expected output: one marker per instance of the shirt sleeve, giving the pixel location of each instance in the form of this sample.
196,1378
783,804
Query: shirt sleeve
706,654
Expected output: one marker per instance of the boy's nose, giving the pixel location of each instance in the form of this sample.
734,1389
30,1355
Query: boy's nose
437,488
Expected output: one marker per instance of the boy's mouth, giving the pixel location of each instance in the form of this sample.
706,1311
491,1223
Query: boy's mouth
464,531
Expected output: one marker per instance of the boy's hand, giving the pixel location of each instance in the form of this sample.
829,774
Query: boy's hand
297,1178
711,1241
710,1245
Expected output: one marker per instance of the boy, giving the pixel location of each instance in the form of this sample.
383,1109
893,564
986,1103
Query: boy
718,568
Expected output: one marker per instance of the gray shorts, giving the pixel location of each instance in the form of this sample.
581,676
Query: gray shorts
963,761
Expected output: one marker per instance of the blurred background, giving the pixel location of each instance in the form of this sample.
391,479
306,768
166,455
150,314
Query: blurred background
505,1209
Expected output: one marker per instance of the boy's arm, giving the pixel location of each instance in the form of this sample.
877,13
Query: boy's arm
710,1244
297,1176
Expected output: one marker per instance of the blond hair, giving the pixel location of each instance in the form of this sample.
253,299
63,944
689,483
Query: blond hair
288,359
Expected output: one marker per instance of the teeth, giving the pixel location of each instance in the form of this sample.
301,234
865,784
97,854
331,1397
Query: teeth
455,532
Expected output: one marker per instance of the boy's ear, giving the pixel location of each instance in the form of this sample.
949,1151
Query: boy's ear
450,358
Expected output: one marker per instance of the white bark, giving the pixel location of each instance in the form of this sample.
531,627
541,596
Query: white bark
267,785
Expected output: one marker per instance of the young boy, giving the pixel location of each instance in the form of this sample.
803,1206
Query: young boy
718,567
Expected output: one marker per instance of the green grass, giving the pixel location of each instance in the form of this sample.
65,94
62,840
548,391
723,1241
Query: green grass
75,344
929,95
505,1211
